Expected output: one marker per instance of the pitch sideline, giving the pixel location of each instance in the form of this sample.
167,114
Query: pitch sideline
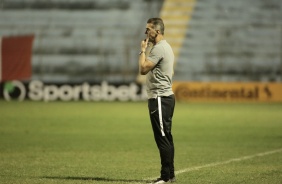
225,162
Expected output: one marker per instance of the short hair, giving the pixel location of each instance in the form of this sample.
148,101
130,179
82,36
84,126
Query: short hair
158,24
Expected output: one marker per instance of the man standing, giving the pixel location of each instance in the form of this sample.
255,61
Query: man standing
158,68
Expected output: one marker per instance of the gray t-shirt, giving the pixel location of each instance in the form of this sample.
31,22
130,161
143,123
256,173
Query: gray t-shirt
159,79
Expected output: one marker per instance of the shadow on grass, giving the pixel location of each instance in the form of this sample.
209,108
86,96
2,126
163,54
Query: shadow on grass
96,179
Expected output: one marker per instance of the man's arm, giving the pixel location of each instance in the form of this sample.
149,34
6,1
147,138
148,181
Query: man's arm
144,65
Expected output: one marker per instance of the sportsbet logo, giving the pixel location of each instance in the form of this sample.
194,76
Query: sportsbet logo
38,91
184,91
14,87
192,91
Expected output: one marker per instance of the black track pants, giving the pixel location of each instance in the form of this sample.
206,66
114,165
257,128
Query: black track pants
161,112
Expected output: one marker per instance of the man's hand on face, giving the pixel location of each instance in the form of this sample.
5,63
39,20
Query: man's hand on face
144,44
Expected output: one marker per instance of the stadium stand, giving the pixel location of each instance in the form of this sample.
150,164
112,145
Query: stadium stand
99,40
233,41
81,40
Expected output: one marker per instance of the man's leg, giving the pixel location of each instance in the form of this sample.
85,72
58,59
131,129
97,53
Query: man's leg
168,104
161,112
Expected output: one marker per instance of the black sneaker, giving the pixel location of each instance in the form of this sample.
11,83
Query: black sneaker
160,180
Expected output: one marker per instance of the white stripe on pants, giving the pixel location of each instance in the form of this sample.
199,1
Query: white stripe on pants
160,115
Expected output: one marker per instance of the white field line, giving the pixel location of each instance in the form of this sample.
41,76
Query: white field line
225,162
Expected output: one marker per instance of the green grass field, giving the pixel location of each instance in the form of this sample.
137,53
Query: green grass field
102,142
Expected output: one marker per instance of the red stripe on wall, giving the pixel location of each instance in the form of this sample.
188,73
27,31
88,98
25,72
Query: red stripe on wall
16,57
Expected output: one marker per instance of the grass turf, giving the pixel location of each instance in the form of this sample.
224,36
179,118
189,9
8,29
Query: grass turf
103,142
